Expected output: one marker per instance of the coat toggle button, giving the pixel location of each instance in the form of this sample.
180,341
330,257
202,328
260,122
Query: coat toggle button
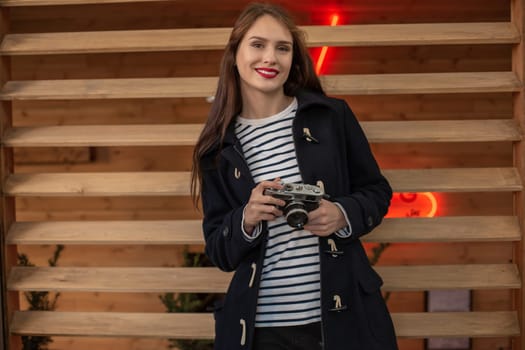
307,135
333,249
237,173
338,306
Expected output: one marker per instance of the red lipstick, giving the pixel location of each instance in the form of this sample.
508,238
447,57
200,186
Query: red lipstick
267,73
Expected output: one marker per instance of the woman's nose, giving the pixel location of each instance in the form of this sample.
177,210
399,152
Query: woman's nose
269,56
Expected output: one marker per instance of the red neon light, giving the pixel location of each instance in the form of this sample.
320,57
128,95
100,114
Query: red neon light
324,50
421,204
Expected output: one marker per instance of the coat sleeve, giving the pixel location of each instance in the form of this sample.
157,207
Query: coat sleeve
226,245
370,193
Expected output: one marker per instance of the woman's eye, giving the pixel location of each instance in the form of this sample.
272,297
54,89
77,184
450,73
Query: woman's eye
257,45
284,48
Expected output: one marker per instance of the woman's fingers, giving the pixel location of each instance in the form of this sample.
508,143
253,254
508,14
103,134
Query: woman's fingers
263,206
326,219
260,194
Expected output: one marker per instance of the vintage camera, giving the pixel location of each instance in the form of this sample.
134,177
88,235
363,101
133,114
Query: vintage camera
300,199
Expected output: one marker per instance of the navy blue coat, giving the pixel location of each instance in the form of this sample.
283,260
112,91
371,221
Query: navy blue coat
354,315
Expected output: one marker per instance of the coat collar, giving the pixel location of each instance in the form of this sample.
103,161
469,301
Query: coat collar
305,100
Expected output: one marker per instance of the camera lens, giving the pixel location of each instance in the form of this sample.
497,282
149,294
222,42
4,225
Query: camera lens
296,214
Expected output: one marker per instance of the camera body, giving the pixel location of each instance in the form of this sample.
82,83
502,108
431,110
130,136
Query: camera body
300,199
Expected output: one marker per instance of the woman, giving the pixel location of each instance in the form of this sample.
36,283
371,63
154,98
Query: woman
308,287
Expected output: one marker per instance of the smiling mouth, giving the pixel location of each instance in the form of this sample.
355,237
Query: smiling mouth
267,73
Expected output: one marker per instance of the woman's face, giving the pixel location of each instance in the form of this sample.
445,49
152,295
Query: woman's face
264,57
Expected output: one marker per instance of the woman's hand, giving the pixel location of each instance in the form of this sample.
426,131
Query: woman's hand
262,207
326,219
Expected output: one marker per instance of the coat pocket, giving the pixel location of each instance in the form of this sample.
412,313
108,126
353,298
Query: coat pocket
376,312
371,282
229,335
217,308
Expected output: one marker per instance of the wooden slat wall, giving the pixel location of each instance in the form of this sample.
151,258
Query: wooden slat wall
9,299
518,66
392,154
4,331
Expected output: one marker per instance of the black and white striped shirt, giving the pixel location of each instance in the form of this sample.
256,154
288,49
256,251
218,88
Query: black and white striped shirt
289,292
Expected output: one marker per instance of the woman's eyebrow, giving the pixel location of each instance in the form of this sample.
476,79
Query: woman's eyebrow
265,39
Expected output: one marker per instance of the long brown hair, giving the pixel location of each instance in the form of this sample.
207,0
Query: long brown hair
228,101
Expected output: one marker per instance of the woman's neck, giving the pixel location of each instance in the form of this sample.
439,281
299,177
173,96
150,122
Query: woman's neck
262,106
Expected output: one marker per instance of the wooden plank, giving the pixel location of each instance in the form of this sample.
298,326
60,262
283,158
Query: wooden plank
212,280
187,134
201,326
442,131
116,41
151,232
420,83
99,184
216,38
16,3
431,277
412,34
361,84
517,14
104,135
109,88
162,232
114,324
10,302
460,324
447,229
123,279
177,183
454,180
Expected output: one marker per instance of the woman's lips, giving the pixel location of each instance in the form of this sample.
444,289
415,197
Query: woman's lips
267,73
